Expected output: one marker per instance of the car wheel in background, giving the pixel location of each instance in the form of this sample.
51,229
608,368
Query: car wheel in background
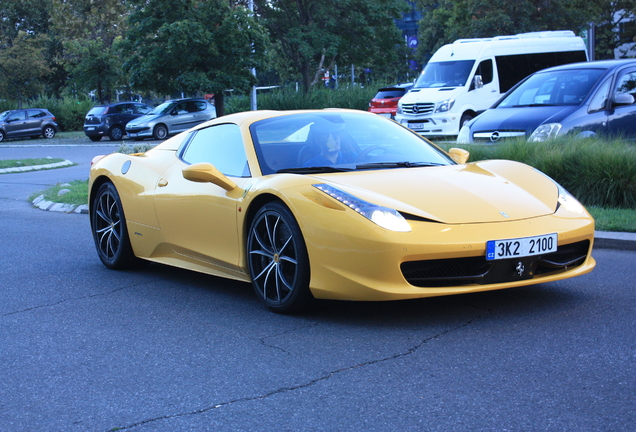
160,132
48,132
277,259
115,133
465,119
109,229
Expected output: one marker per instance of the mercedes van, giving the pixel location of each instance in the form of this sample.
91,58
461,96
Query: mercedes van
470,75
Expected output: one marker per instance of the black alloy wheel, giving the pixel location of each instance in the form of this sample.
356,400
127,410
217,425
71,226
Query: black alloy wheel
278,260
109,229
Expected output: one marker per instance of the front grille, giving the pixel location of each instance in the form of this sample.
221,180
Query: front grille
497,136
479,271
418,108
136,129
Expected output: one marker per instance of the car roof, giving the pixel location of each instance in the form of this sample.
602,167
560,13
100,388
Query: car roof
599,64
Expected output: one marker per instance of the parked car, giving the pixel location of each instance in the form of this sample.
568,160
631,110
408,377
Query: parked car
30,122
264,197
171,117
110,120
385,101
580,99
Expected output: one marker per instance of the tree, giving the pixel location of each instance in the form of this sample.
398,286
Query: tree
446,21
615,25
22,67
89,52
193,46
311,35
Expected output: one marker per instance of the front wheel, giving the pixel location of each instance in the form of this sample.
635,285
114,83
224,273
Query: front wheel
277,259
465,119
109,229
160,132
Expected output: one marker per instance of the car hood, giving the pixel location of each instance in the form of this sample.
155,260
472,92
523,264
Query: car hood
489,191
144,119
522,118
433,94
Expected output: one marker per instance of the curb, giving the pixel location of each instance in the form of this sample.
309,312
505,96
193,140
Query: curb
42,204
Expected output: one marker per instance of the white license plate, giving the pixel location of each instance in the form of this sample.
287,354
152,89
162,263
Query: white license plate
416,126
387,115
90,128
521,247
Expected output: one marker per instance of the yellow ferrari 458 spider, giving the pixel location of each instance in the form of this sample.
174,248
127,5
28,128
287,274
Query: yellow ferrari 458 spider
335,204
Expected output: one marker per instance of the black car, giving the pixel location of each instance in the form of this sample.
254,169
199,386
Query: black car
31,122
110,120
579,99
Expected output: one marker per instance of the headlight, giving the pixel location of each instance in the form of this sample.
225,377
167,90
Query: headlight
464,135
545,132
384,217
444,105
399,109
566,200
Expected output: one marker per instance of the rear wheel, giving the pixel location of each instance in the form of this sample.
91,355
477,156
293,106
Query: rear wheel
110,233
48,132
116,133
278,260
160,132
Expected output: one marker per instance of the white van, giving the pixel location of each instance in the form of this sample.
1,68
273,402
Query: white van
469,75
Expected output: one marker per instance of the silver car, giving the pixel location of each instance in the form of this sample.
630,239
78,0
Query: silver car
171,117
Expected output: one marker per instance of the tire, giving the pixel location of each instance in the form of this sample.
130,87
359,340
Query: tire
277,260
116,133
2,135
160,132
465,119
110,233
95,138
48,132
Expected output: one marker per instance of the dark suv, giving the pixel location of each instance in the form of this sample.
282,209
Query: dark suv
31,122
111,119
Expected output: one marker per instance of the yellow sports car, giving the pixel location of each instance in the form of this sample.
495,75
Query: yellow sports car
334,204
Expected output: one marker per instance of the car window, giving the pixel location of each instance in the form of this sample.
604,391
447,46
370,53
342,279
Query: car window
600,97
485,69
140,109
96,110
17,115
626,84
390,93
35,114
565,87
220,145
201,105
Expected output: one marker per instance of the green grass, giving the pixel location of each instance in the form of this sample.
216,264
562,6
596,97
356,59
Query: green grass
16,163
623,220
78,193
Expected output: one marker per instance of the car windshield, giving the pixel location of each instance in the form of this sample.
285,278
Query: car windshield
4,115
162,109
565,87
445,74
331,142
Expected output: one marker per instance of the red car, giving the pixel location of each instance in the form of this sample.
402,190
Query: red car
386,100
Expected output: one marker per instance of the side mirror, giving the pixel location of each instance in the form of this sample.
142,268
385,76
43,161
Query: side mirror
624,99
205,172
459,155
478,82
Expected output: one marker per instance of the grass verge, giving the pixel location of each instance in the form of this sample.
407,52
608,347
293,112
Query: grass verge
17,163
75,192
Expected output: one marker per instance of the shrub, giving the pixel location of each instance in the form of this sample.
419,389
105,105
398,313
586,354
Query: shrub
598,172
69,112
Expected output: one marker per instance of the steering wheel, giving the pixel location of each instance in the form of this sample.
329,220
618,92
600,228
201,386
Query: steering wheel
365,153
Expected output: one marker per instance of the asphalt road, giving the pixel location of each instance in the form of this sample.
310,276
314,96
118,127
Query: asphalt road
83,348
